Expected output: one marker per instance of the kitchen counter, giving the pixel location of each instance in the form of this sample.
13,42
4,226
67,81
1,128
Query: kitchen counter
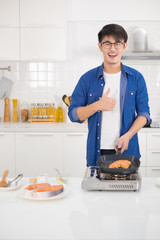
42,127
83,215
54,127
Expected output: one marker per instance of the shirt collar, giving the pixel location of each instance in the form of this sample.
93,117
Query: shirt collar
124,70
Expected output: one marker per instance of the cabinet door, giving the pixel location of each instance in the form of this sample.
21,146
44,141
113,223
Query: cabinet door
9,44
153,141
75,154
38,153
153,171
7,153
142,138
43,13
43,43
9,16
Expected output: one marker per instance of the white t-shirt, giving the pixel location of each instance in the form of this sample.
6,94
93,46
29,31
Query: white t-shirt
110,127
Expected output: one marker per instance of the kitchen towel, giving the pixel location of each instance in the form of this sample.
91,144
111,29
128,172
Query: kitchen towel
5,87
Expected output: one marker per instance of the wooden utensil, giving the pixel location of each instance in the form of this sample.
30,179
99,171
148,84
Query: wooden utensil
3,182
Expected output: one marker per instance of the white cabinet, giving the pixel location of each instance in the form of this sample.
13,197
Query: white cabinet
9,44
38,153
153,154
98,11
9,30
142,138
33,30
7,153
43,13
9,16
43,29
74,158
43,43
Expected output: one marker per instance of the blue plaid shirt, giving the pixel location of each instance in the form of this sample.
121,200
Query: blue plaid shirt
133,103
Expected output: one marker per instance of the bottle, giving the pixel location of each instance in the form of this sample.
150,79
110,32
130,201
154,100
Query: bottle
6,110
15,115
59,114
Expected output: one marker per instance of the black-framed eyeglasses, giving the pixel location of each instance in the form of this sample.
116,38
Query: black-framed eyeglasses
107,45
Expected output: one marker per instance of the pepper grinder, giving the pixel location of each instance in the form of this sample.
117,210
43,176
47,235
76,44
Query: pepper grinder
6,110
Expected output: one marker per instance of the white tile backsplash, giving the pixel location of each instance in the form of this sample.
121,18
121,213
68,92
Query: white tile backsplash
49,81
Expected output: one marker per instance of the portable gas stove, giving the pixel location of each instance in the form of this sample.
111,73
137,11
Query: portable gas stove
95,180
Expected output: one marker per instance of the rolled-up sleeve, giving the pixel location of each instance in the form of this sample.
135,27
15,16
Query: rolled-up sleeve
142,100
78,99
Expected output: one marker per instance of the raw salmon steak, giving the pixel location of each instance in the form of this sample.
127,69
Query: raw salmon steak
36,186
48,192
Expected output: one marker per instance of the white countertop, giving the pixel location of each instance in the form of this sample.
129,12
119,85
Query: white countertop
53,127
41,127
83,215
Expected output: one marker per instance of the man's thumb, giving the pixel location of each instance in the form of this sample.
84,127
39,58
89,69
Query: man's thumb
108,92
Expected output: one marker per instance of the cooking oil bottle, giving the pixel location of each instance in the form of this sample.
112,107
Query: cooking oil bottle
59,114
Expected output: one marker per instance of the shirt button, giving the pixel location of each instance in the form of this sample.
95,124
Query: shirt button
90,95
98,124
98,137
98,111
97,150
102,84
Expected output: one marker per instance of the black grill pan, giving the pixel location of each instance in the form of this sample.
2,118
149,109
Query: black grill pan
105,160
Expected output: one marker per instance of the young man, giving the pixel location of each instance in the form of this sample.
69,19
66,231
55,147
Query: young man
114,99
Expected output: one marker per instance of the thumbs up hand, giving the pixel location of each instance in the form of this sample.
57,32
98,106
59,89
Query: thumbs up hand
106,103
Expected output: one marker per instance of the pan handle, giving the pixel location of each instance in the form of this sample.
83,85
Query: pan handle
118,151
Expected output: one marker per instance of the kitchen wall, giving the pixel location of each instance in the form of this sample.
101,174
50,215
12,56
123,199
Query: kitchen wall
48,81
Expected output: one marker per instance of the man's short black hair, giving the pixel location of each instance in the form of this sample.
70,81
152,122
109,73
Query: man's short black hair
114,30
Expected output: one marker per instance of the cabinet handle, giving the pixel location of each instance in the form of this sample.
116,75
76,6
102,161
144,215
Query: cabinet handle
39,134
5,58
42,25
154,152
155,169
45,59
155,134
74,134
4,25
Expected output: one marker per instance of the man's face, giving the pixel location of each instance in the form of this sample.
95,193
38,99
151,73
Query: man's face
112,52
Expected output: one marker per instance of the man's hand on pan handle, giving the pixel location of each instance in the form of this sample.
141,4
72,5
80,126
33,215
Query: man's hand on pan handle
123,142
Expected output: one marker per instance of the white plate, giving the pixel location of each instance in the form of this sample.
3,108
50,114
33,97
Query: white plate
61,195
10,188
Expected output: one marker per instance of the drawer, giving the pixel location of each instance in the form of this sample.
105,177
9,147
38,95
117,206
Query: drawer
142,171
153,172
153,158
153,140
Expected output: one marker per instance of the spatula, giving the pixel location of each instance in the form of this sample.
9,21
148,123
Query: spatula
3,182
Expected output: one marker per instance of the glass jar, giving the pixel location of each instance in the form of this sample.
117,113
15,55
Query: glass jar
42,113
50,111
24,112
34,110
